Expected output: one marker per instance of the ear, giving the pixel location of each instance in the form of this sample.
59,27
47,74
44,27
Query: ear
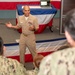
4,48
69,39
23,10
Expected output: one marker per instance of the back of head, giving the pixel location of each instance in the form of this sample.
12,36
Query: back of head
1,46
69,24
37,60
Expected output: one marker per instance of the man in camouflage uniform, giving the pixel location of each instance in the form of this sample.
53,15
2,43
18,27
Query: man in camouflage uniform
62,62
9,66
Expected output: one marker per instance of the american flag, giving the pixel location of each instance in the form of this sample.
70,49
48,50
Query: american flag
11,5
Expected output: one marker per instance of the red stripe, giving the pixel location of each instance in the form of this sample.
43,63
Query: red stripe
12,5
28,57
43,27
56,4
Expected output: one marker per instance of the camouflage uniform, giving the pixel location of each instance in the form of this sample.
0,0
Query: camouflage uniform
32,72
59,63
11,67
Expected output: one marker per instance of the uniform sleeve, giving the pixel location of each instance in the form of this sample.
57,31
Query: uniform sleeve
59,63
18,67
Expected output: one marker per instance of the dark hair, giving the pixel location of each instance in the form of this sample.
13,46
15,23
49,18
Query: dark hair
37,60
69,23
64,47
1,46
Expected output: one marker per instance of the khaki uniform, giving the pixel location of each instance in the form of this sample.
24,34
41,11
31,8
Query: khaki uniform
11,67
59,63
27,38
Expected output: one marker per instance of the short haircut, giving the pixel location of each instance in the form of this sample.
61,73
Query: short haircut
69,23
1,46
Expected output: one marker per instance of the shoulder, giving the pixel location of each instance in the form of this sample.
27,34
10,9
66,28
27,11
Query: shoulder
61,53
33,16
15,63
9,65
66,54
12,60
18,67
20,16
57,61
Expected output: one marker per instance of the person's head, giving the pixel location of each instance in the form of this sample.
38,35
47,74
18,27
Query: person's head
37,60
1,46
26,10
69,27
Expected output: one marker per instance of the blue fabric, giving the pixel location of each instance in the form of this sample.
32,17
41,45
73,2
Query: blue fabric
37,11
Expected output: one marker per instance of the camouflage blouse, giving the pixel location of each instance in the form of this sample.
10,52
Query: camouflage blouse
10,66
59,63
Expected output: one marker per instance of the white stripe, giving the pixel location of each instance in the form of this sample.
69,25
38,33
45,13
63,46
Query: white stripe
42,19
41,47
55,0
23,0
19,0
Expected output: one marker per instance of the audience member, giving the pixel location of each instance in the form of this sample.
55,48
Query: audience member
13,67
9,66
62,62
36,62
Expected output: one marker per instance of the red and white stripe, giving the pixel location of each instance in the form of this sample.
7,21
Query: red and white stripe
44,48
11,4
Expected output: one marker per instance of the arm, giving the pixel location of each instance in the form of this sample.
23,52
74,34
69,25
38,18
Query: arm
9,25
35,25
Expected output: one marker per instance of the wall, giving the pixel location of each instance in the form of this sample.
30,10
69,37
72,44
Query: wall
8,8
68,5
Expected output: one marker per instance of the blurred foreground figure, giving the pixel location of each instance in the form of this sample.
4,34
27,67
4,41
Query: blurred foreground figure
37,60
9,66
62,62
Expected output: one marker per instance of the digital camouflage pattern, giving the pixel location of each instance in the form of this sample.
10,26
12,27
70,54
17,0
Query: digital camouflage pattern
61,62
11,67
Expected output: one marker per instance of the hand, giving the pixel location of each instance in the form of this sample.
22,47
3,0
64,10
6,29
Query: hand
31,28
8,24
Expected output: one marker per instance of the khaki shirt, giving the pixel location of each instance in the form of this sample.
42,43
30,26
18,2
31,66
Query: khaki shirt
24,24
11,67
59,63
